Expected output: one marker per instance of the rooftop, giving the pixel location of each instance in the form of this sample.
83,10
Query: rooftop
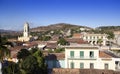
104,55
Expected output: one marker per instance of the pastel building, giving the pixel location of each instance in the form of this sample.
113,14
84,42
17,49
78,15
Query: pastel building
90,57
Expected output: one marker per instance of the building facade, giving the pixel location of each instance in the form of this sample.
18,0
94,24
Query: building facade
117,37
89,57
26,34
94,39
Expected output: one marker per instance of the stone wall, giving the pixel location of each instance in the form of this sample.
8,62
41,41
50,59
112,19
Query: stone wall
82,71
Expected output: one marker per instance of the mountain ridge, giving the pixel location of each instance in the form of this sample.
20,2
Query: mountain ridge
57,26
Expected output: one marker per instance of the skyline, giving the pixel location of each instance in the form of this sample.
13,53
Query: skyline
91,13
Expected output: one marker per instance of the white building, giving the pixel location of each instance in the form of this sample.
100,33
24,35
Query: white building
89,57
117,37
26,34
94,38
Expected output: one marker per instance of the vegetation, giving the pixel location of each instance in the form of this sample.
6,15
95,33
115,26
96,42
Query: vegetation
30,62
45,38
62,41
110,34
110,28
30,65
10,68
57,27
22,54
100,41
4,51
58,50
33,62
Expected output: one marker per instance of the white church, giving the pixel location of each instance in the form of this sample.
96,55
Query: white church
26,34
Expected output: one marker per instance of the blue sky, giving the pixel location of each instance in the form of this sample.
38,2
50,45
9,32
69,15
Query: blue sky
91,13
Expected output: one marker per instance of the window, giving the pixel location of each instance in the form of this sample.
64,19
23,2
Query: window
81,54
116,64
71,54
91,66
106,66
72,65
91,54
81,65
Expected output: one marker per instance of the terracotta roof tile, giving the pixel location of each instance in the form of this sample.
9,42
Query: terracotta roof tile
51,45
77,35
104,55
76,40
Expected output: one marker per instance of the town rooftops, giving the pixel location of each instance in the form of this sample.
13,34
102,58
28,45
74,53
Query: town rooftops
104,55
51,45
77,35
76,40
107,54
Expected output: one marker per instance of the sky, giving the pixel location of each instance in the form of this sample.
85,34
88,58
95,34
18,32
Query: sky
91,13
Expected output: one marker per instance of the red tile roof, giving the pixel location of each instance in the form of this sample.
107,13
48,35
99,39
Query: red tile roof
104,55
77,35
51,45
76,40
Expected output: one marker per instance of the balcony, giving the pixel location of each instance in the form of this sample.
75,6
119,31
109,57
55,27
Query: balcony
82,58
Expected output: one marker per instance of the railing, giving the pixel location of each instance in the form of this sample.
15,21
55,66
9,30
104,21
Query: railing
82,58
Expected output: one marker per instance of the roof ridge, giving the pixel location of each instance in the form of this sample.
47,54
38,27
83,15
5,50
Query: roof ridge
111,54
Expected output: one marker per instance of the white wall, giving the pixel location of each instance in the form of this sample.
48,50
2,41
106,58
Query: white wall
77,54
86,52
98,62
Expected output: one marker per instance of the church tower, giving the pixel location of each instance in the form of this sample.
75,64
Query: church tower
26,34
26,30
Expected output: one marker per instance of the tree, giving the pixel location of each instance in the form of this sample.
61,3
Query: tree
100,42
45,38
59,50
23,53
10,68
41,61
30,65
33,50
110,34
39,57
4,51
62,41
32,62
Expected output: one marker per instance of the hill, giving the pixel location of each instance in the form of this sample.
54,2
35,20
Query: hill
58,26
109,28
6,31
